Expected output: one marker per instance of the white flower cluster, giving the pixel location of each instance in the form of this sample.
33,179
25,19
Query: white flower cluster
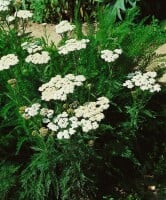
64,125
145,81
31,111
58,88
38,58
72,45
7,61
10,18
4,5
67,123
91,113
110,56
23,14
64,26
47,114
86,117
31,47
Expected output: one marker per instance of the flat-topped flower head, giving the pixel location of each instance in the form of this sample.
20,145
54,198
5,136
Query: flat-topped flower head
73,45
31,111
118,51
92,109
145,81
63,27
45,112
38,58
23,14
64,125
58,88
7,61
10,19
86,117
91,113
31,47
4,5
110,56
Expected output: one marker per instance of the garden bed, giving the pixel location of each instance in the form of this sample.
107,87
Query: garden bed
82,110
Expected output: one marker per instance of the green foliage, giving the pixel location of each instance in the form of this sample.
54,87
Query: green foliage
8,177
50,10
38,8
37,177
120,6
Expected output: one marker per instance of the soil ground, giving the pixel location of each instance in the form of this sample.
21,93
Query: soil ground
44,30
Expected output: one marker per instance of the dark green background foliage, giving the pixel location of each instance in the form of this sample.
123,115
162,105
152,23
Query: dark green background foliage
56,10
121,158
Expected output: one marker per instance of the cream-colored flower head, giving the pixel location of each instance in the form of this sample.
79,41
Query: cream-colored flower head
10,19
24,14
63,27
145,81
4,5
110,56
7,61
58,88
38,58
73,45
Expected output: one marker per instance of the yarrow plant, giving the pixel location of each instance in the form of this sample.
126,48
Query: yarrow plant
10,19
91,113
73,45
58,88
145,81
4,5
87,117
63,27
7,61
31,111
38,58
110,56
23,14
61,129
64,125
31,47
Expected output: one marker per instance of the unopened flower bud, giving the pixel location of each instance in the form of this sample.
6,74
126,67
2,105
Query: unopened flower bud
12,82
17,3
91,143
65,106
43,131
22,109
89,86
70,111
52,133
34,133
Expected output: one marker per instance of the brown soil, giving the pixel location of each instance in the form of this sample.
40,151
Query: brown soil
48,31
44,30
161,50
159,61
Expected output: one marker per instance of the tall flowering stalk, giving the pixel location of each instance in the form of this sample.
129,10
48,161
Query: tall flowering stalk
142,86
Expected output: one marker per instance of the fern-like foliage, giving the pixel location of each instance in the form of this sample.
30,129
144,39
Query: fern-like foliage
38,177
8,179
